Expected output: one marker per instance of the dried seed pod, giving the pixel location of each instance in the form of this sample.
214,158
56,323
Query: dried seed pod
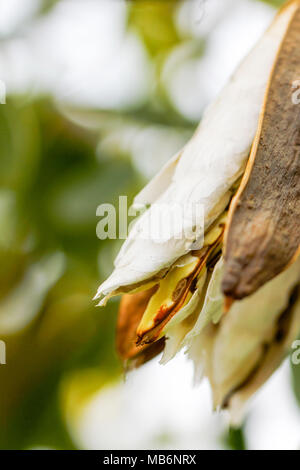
203,174
263,235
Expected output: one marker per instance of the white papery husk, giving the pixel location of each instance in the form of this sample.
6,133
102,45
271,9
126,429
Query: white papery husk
203,173
229,352
188,322
178,327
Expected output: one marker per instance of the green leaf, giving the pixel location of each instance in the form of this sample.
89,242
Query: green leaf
235,439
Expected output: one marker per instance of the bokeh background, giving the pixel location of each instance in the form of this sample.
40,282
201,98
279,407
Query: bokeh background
100,93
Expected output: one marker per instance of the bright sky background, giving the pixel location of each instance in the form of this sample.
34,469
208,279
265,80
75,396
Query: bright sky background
82,53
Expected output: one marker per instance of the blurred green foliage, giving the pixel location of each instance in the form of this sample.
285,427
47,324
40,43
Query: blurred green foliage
275,3
235,439
154,22
49,169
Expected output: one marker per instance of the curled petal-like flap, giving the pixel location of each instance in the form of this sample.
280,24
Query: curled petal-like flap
277,351
180,325
156,187
212,309
246,330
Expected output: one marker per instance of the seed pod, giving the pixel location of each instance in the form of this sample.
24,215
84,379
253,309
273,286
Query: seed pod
263,234
203,174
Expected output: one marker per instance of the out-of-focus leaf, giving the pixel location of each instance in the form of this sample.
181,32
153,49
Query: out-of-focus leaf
235,439
41,424
275,3
68,336
153,20
20,145
73,199
41,153
47,5
21,305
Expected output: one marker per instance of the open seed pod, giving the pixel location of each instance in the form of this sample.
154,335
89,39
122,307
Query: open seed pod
176,293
